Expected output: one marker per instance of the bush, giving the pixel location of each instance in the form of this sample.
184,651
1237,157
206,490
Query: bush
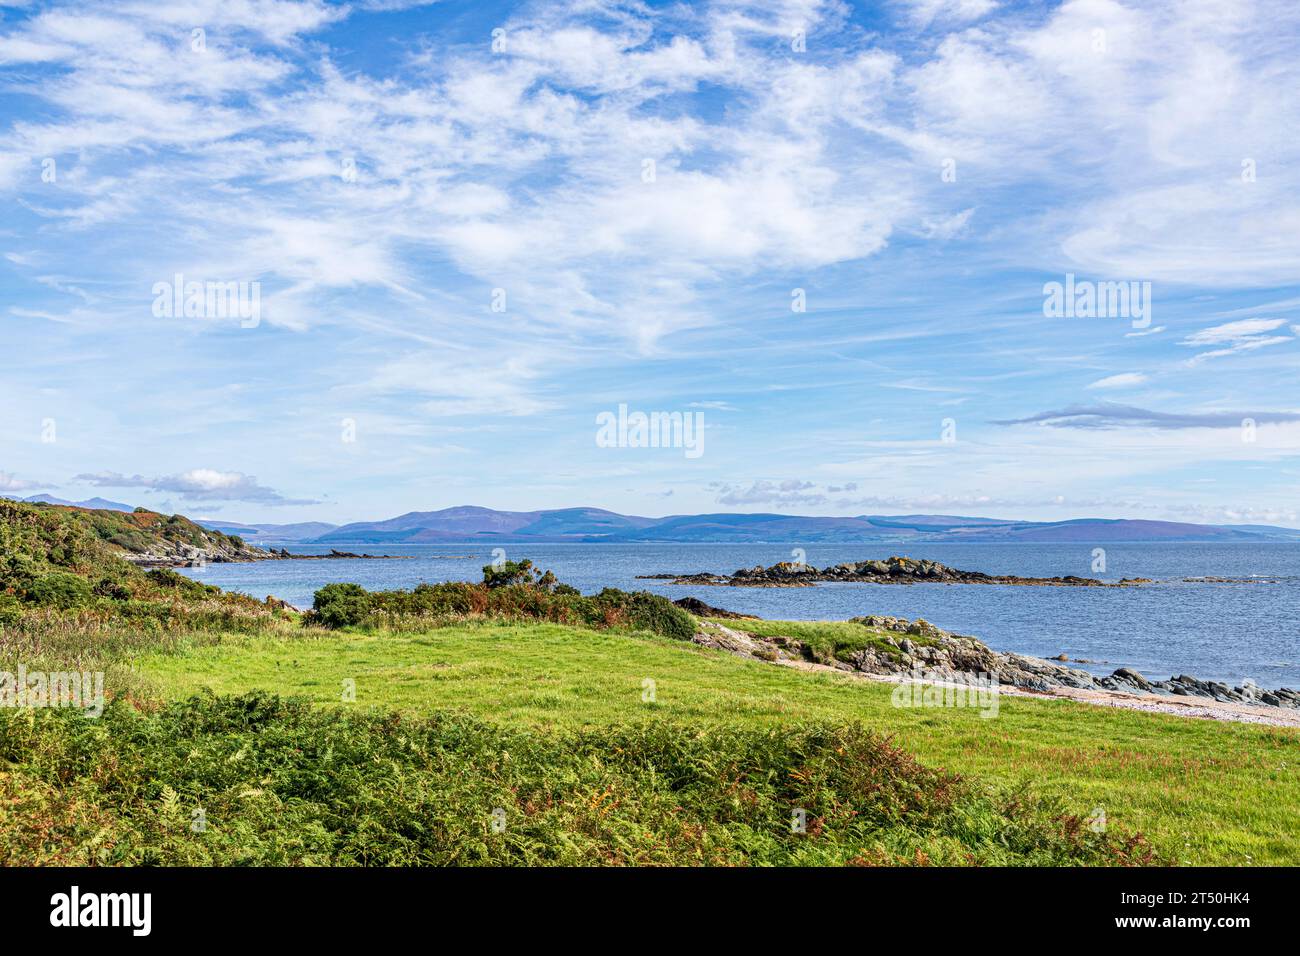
510,591
649,612
341,605
508,573
114,590
59,590
11,610
187,587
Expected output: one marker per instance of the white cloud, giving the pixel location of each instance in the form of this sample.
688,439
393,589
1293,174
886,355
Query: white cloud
197,484
1241,331
925,12
791,492
9,482
1245,335
1123,380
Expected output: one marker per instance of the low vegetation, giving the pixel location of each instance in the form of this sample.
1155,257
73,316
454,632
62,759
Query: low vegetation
39,538
1204,792
69,598
389,727
514,591
260,780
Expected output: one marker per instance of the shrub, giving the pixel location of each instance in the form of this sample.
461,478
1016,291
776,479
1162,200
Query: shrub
11,610
648,612
504,594
186,587
114,590
59,590
508,573
341,605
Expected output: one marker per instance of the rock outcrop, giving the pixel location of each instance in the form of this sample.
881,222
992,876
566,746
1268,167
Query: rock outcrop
184,554
284,555
895,570
700,609
909,648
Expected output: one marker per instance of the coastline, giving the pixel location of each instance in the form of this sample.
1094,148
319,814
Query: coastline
1184,707
1194,607
906,652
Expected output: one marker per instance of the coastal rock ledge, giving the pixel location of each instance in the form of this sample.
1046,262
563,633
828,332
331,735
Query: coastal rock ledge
908,648
895,570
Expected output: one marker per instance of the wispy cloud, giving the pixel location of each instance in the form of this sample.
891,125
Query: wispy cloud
1123,380
1112,415
198,484
1245,335
9,482
791,492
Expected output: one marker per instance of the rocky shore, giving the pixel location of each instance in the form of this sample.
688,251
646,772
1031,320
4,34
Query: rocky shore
283,555
895,570
183,555
919,650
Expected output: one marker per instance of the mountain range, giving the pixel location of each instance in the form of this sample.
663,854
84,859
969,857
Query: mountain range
100,504
473,524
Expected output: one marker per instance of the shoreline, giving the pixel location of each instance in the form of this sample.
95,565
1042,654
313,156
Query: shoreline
920,653
1184,707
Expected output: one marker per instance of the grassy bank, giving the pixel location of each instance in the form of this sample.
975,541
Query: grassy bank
1204,792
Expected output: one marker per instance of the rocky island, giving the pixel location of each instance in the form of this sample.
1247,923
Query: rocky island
895,570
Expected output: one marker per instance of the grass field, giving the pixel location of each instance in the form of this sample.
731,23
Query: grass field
1203,792
384,727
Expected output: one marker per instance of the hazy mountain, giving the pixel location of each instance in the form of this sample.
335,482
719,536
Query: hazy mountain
468,523
101,503
272,533
1265,529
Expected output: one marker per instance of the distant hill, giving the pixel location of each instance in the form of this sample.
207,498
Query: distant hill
469,523
271,533
99,504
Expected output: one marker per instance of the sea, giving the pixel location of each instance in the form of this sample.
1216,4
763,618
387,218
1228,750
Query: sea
1247,628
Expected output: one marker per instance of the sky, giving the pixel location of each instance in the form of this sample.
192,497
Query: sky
826,232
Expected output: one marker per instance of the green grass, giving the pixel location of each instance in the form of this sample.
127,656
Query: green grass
603,745
259,780
827,640
1204,792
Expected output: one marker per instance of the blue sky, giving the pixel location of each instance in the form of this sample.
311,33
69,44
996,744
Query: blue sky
384,173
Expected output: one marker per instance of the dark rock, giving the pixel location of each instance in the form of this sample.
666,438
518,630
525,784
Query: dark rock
700,609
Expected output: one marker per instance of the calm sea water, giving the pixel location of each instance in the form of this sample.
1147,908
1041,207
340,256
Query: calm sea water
1225,632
